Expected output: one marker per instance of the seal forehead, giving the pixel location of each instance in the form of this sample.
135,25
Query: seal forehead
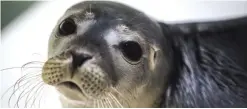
112,38
89,15
119,33
104,9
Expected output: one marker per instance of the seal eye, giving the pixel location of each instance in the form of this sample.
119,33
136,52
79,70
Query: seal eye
67,27
131,50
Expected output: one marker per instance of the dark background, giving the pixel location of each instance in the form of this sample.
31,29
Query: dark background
8,13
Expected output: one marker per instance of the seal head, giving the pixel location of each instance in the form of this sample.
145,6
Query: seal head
105,54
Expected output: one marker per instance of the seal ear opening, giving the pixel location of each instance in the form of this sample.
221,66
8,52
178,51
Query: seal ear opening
153,57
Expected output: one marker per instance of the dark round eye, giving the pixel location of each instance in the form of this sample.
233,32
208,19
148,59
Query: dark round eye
131,50
67,27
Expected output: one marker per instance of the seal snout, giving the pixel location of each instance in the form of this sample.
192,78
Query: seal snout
76,71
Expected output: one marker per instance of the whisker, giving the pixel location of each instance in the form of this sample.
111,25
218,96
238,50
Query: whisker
114,89
28,78
38,54
116,100
42,93
17,68
15,90
109,102
14,85
9,89
27,93
37,92
121,95
104,104
23,66
32,62
23,82
20,95
30,91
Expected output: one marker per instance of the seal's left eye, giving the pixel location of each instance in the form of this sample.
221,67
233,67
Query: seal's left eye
131,50
67,27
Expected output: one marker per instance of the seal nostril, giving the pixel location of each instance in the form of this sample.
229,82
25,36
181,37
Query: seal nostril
79,59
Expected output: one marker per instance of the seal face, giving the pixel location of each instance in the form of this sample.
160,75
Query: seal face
105,54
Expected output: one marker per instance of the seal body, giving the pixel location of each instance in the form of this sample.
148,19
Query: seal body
211,64
106,54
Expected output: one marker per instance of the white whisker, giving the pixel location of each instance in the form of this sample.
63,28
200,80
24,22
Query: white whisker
123,98
109,102
116,100
97,104
102,105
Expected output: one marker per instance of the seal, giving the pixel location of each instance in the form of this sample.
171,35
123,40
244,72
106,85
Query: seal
102,54
106,54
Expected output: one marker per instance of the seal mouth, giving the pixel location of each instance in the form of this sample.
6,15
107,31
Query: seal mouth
71,85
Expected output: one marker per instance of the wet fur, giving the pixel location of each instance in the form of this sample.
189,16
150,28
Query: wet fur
210,68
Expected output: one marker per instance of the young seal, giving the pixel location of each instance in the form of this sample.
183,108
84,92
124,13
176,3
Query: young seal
106,54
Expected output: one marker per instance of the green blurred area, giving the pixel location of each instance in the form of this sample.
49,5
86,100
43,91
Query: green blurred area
12,9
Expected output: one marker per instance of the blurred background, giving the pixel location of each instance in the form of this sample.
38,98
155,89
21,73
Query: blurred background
26,26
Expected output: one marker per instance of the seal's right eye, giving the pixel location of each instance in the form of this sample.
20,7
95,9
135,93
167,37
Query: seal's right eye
67,27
